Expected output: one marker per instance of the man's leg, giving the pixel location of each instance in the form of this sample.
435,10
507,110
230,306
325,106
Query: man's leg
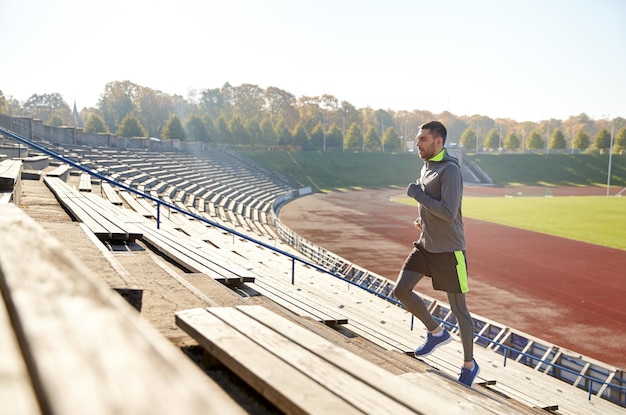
470,368
466,327
403,291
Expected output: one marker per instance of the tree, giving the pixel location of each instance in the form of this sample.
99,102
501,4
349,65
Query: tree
131,127
281,104
334,137
95,124
54,121
196,130
248,101
47,106
557,140
620,140
255,134
223,133
301,137
238,133
534,142
317,136
492,141
372,140
268,132
468,139
602,140
354,138
116,102
283,134
173,129
511,141
3,103
581,140
391,140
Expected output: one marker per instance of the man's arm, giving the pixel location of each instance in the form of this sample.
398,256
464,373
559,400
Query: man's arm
451,193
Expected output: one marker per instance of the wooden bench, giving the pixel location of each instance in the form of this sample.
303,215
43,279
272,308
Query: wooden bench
84,184
10,181
110,194
71,346
301,372
61,171
92,211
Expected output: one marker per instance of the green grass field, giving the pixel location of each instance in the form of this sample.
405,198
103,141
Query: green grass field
595,219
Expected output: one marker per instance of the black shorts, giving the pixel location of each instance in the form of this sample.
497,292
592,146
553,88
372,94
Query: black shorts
448,270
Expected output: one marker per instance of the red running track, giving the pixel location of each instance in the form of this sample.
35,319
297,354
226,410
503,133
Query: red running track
568,293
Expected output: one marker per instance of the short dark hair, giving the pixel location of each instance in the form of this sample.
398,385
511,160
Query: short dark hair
436,128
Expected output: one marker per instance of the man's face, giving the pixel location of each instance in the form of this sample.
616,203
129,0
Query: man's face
427,145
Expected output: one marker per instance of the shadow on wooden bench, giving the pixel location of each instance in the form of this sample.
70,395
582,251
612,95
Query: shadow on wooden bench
71,346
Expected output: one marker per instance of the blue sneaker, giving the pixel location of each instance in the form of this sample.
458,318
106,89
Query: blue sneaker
468,375
432,342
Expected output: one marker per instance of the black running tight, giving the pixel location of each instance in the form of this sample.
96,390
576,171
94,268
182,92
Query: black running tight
414,303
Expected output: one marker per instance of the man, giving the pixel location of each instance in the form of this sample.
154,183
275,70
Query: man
440,250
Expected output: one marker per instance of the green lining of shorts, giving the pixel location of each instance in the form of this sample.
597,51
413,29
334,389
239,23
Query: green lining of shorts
461,271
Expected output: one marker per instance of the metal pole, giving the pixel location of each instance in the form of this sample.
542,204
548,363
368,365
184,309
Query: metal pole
608,178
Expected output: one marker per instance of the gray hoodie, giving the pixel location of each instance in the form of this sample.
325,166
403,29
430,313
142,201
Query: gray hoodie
440,204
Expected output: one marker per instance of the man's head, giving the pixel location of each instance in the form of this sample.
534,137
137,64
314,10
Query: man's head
430,139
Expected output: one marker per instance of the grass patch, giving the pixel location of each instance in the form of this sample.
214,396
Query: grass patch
594,219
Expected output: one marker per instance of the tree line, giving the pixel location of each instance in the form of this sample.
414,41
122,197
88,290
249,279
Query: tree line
248,115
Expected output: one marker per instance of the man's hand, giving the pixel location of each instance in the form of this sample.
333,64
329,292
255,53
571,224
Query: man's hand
413,190
418,223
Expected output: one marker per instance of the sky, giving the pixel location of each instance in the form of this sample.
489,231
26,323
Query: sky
529,60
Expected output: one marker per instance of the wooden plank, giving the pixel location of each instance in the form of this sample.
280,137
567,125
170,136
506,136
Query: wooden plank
90,352
111,194
285,386
249,337
16,390
84,184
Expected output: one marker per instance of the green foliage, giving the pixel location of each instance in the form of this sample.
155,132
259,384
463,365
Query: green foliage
372,140
557,141
603,139
552,169
173,129
285,138
535,142
391,140
581,140
238,134
3,103
468,139
493,139
95,124
620,140
333,170
336,170
54,121
511,141
196,130
50,108
131,127
354,138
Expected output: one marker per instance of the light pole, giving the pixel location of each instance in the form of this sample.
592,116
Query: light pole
608,176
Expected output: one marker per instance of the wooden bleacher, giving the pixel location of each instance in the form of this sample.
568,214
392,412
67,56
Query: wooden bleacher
301,372
69,345
83,208
10,181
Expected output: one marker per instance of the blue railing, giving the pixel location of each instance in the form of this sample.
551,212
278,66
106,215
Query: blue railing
507,349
